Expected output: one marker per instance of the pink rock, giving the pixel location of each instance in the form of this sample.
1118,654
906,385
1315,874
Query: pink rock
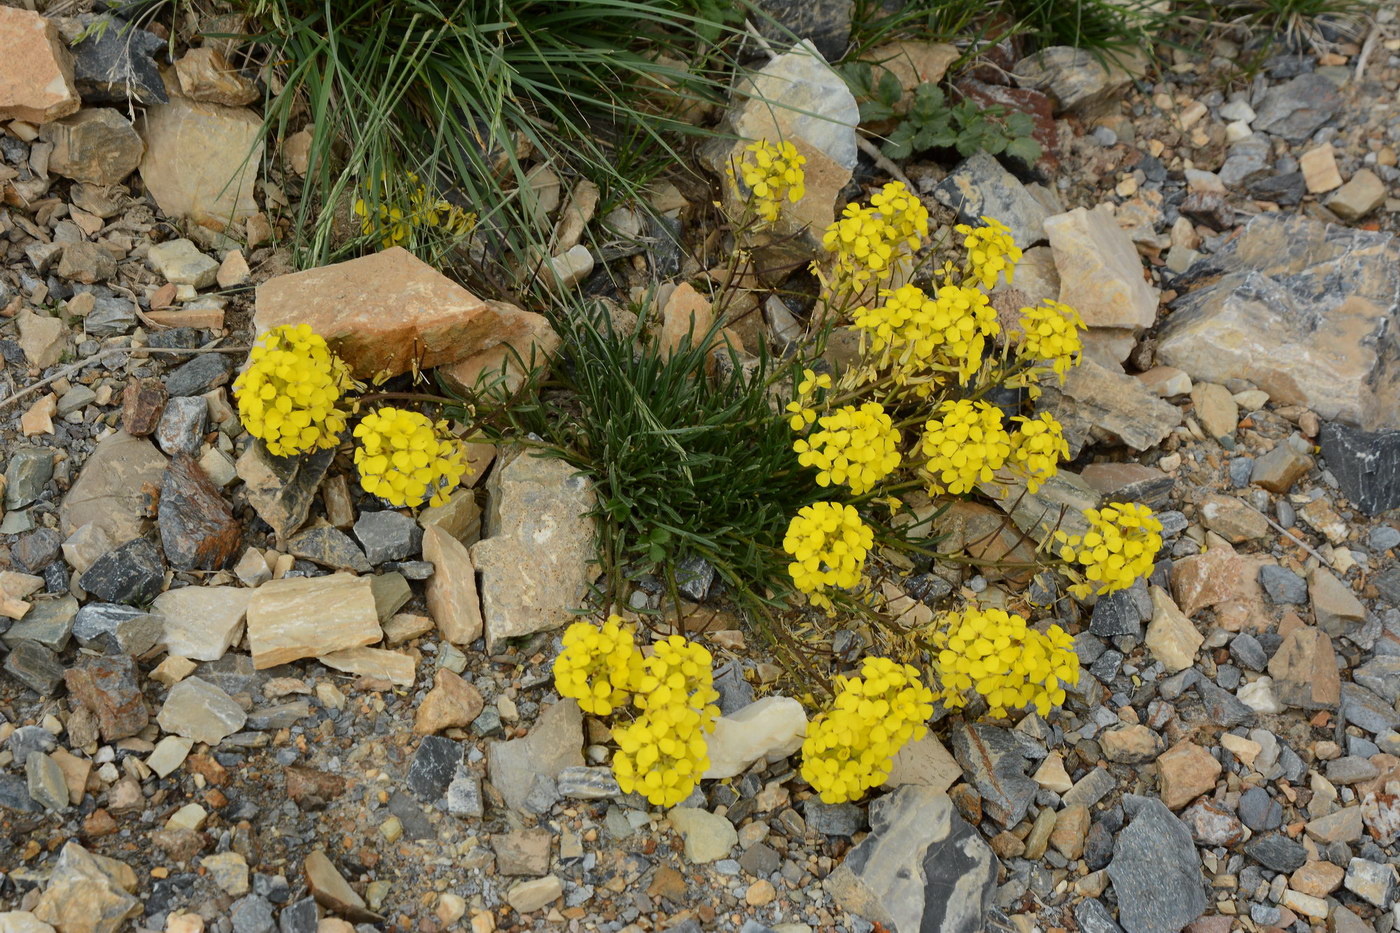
36,69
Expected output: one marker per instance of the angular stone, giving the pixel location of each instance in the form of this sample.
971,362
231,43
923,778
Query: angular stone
708,836
48,622
202,622
588,783
311,789
1156,872
522,852
772,729
979,187
111,489
1342,826
42,338
206,75
1358,197
391,592
1295,109
1130,482
304,617
1184,772
182,424
388,535
329,547
143,402
202,161
132,574
181,263
553,744
1374,882
396,667
198,710
98,146
453,601
36,75
1100,270
1303,310
88,893
112,628
1077,79
1304,669
537,560
1366,465
922,867
993,761
199,375
1208,579
1212,824
281,489
501,369
35,666
1319,167
1097,403
332,891
387,312
537,894
433,765
1130,744
197,527
1335,608
1281,467
116,63
110,686
451,702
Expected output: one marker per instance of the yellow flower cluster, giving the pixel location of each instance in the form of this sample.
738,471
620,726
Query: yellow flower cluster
867,240
990,251
801,409
405,458
394,225
912,330
828,543
773,175
290,395
850,748
855,446
1120,546
1005,660
663,754
598,666
1050,332
1037,447
965,445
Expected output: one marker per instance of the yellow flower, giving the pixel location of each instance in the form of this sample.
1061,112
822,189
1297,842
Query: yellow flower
855,446
393,224
850,747
677,674
662,755
1037,447
598,665
965,445
773,175
1119,548
868,240
1050,333
903,211
291,395
912,332
990,251
1003,659
406,459
828,543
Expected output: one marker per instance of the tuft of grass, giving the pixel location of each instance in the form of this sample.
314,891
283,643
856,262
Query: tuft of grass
688,462
1297,24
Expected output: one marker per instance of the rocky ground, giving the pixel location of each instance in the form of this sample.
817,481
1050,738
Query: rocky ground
243,699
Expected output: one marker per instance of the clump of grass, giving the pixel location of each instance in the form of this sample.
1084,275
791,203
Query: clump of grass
1297,24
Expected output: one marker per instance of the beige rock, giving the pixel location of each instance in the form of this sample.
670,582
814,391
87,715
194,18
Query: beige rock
389,311
1320,169
574,218
202,160
1130,744
913,63
1317,879
98,146
202,622
1358,197
1207,579
503,367
1304,669
307,617
1335,606
453,601
537,559
1216,409
771,728
206,75
1343,826
394,666
184,923
109,491
1071,827
530,896
451,702
169,753
14,589
1185,772
38,418
42,338
233,270
1233,519
405,626
1171,637
925,762
88,893
332,891
1166,381
1097,402
36,71
75,773
1052,775
173,670
687,315
1100,270
459,516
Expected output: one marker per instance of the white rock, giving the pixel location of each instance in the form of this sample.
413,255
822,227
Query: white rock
1259,696
202,622
771,728
708,837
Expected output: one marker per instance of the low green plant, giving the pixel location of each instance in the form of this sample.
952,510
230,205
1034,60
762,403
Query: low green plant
1296,23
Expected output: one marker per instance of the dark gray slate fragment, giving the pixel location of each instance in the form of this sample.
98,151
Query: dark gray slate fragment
1093,917
388,535
992,759
14,794
131,574
199,375
826,22
26,475
1116,613
1259,811
415,822
694,577
115,62
1277,852
1156,873
1295,109
1366,464
833,819
112,628
1361,707
1282,586
433,766
36,667
329,547
1223,707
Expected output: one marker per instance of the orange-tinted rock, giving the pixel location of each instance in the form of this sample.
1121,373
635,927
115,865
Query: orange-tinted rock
387,312
1184,773
36,70
504,365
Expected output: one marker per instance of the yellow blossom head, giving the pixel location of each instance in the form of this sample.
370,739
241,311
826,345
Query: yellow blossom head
857,447
828,543
772,173
406,458
291,394
965,445
1049,333
598,665
999,656
991,252
1119,548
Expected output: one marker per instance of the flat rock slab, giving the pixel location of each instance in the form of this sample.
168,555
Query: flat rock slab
1366,464
922,868
202,622
198,710
1156,873
202,160
388,312
537,559
555,743
110,489
1308,312
281,489
304,617
1096,403
36,75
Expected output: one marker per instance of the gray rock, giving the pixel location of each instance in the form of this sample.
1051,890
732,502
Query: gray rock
1367,467
1259,811
1388,583
979,187
433,766
994,762
132,574
112,628
45,781
1285,190
1156,873
109,318
1297,108
48,622
1383,538
1277,852
299,917
1373,882
921,868
29,740
1380,675
1076,79
388,535
1090,789
833,819
252,914
553,744
1247,650
694,577
199,375
38,549
26,475
1093,917
1363,708
115,63
464,795
14,795
826,23
1115,614
1248,158
585,783
199,710
182,425
36,667
1282,586
281,489
329,547
1224,708
278,716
